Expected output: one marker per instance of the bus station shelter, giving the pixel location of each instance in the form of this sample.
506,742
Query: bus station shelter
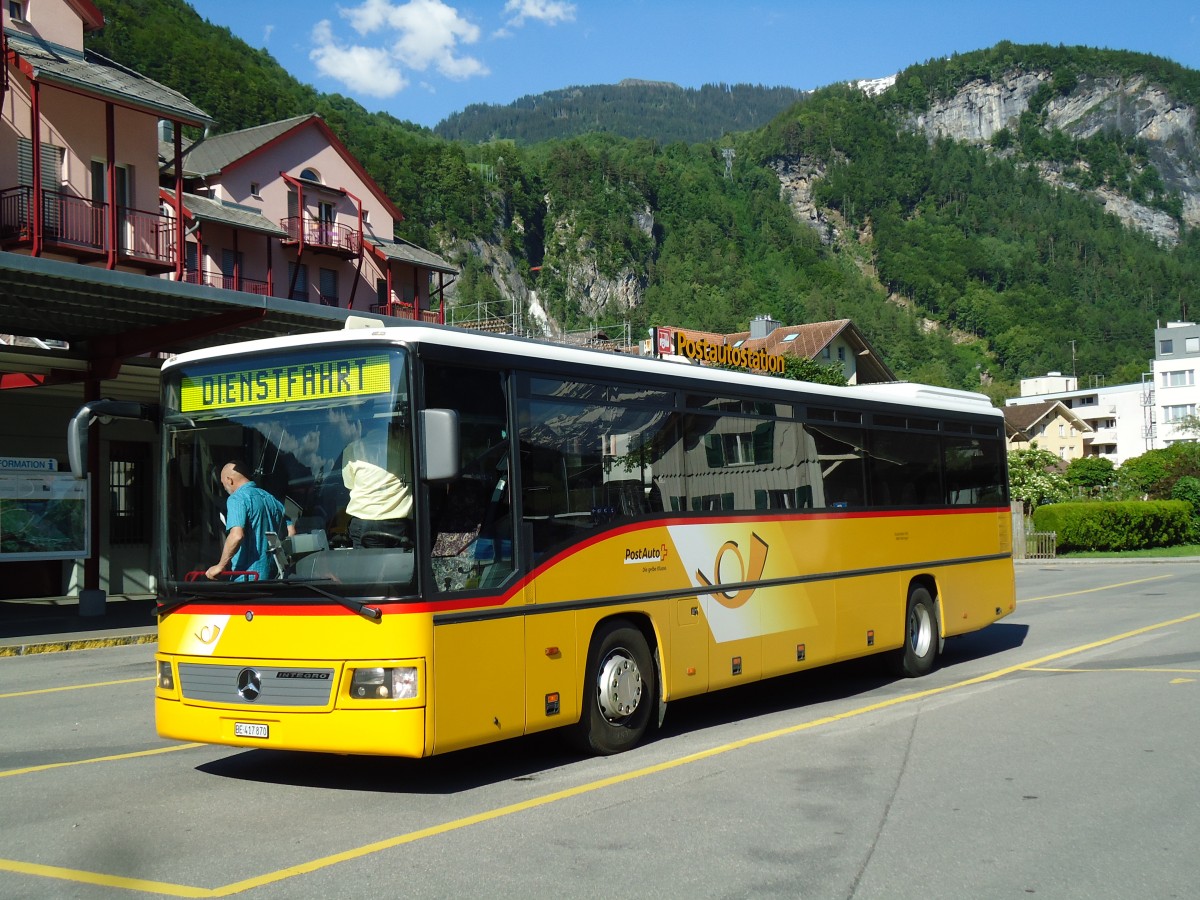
71,333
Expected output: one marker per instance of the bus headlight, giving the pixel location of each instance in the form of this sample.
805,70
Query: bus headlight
376,683
166,680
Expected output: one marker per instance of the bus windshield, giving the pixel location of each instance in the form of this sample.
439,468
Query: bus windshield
310,454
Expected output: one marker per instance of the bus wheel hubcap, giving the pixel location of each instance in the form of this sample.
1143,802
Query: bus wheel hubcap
920,631
620,686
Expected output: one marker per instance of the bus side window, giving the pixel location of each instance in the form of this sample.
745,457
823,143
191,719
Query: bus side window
840,454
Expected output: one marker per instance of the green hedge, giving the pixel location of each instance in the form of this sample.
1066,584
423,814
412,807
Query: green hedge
1130,525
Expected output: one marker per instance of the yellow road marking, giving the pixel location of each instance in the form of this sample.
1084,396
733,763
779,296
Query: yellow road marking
75,687
1106,587
29,770
80,876
237,887
1137,669
1182,680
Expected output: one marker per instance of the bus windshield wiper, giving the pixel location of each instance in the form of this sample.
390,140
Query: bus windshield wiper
373,613
182,599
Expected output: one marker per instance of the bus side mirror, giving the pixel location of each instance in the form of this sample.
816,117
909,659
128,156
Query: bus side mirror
439,434
77,428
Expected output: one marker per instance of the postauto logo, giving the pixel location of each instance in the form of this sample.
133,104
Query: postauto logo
637,555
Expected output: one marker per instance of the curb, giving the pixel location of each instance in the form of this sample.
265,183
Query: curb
1107,560
77,644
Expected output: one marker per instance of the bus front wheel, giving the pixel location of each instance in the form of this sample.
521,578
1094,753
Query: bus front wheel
619,690
920,649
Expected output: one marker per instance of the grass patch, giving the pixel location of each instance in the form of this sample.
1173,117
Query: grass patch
1153,553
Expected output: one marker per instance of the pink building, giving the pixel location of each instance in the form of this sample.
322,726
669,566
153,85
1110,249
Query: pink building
283,209
91,190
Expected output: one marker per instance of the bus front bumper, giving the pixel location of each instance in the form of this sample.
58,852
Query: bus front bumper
371,732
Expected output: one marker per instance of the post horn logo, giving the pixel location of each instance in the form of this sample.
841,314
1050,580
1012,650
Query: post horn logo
758,561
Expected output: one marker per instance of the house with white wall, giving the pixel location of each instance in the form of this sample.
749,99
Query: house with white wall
1115,414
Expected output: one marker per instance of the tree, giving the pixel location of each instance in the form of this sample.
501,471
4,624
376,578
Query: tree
1091,473
1153,474
801,368
1189,425
1034,478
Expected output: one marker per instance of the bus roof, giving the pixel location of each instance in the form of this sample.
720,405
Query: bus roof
622,365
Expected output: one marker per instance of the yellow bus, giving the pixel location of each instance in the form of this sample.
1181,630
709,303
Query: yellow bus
590,537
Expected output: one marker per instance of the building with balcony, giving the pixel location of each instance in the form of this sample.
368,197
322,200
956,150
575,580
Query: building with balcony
1176,388
1049,424
1116,415
118,248
79,174
1127,420
285,210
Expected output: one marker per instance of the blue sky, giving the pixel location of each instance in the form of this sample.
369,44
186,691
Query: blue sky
422,60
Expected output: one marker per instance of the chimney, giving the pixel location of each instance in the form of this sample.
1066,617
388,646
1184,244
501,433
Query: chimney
761,326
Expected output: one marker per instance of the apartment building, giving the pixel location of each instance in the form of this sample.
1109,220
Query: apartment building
1126,420
1175,395
1116,416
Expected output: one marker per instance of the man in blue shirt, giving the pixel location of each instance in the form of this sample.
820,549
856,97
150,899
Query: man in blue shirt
249,514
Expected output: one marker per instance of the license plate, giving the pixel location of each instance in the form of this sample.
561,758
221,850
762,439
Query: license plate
251,730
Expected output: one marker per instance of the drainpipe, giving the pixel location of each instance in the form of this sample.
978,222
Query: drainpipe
299,230
358,268
180,256
110,178
35,132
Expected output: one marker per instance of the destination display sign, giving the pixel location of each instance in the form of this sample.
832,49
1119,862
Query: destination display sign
271,383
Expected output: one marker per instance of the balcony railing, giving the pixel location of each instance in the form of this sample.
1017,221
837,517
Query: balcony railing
67,221
75,225
325,235
406,311
146,236
227,282
16,219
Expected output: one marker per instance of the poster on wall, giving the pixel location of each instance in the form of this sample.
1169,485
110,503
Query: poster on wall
43,515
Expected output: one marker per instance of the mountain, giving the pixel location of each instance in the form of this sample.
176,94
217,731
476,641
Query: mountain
659,110
986,217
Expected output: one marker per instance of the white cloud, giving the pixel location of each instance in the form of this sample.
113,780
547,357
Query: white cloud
549,12
364,70
420,34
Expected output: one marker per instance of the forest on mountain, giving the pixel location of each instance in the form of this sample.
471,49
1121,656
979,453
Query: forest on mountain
657,110
960,263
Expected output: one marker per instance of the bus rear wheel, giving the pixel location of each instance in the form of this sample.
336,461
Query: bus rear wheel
620,690
920,650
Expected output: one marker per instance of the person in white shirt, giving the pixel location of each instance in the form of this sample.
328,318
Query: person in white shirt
377,469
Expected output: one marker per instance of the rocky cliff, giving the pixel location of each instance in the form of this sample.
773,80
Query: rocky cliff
1130,106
